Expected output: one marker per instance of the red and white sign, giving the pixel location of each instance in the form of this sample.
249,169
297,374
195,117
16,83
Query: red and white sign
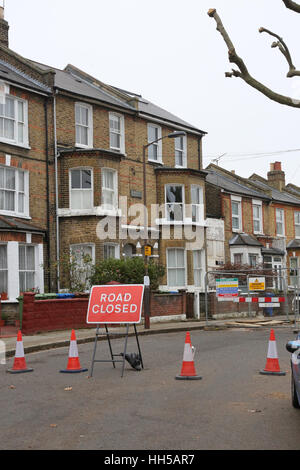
120,303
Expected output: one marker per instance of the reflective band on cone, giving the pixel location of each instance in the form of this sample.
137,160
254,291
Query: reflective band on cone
19,365
73,365
188,371
272,364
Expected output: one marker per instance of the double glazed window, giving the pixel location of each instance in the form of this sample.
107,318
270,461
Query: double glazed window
26,267
81,193
176,267
154,150
197,203
109,189
84,125
13,121
116,132
14,191
174,202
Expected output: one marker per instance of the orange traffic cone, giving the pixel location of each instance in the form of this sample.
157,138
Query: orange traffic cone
73,365
19,365
188,371
272,364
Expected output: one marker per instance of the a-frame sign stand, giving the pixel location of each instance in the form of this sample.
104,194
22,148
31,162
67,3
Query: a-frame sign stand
113,355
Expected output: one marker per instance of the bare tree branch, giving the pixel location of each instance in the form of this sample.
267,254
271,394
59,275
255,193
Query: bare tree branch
284,50
243,71
292,5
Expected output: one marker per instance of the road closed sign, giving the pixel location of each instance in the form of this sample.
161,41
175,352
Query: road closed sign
120,303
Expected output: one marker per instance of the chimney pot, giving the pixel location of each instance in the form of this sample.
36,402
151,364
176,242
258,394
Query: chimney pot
277,166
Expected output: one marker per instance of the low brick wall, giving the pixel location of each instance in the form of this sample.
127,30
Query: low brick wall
64,314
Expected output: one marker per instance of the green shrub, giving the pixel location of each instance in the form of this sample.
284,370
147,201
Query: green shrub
126,271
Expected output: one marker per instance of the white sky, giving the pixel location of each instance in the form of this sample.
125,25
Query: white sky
170,52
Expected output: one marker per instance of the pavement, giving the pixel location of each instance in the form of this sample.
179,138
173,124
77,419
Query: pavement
57,339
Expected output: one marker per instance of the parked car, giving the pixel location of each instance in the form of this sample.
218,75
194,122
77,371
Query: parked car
294,348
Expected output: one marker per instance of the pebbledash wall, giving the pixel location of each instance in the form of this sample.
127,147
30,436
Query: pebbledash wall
62,314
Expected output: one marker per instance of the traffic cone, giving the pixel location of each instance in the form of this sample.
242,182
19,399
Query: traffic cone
272,364
188,371
19,365
73,365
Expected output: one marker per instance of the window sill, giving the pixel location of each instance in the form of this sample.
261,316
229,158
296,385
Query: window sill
156,162
95,211
187,221
15,144
15,214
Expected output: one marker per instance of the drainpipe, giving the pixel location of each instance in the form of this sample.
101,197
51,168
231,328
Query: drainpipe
56,192
47,191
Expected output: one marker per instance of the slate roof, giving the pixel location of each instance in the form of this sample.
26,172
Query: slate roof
12,74
294,243
279,196
10,223
75,81
232,186
272,251
244,239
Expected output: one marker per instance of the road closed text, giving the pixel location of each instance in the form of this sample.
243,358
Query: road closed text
115,303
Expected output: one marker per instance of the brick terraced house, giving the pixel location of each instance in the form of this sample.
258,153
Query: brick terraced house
261,217
75,160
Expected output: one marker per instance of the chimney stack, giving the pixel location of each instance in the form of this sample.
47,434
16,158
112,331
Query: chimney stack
276,177
4,27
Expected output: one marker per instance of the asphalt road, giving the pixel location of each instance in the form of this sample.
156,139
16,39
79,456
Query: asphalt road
232,407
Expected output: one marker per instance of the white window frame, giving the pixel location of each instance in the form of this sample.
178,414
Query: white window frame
177,267
81,189
182,150
259,219
15,140
175,203
280,221
199,207
199,269
33,271
117,250
5,269
89,126
297,223
157,145
114,191
253,255
120,149
17,192
237,200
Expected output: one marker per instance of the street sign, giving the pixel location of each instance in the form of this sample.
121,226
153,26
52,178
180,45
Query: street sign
120,303
148,250
269,304
257,283
226,289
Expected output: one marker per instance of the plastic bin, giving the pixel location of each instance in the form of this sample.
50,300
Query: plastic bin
65,296
269,310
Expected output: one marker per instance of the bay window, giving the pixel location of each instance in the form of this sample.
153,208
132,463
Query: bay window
176,267
174,197
197,203
26,267
81,188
